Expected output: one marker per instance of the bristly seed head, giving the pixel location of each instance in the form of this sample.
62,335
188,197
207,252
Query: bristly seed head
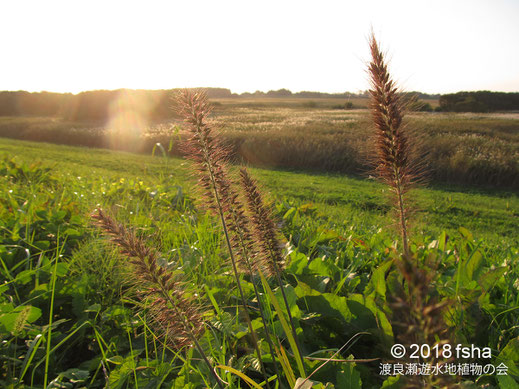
392,152
210,158
271,254
177,318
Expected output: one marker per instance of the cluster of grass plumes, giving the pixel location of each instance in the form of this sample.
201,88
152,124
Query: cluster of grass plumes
416,312
177,317
210,161
337,272
256,259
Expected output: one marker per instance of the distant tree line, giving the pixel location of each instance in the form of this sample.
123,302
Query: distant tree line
303,94
482,101
97,105
35,104
100,105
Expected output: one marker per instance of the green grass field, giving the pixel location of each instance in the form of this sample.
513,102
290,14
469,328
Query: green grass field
351,201
64,321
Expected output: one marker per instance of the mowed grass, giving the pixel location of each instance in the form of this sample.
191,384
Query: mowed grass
349,203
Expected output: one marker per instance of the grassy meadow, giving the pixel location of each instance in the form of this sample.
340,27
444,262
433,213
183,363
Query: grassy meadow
68,316
116,304
319,135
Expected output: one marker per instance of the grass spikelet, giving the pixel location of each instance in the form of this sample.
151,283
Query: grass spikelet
20,320
392,162
418,314
177,317
202,147
266,234
209,158
270,254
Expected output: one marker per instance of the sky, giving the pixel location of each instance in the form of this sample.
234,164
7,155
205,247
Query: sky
439,46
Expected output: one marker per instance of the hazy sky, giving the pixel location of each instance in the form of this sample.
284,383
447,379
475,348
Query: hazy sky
435,46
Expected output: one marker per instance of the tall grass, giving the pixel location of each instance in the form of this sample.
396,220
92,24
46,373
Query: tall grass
393,163
421,314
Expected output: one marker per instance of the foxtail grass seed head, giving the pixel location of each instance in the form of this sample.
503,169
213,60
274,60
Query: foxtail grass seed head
176,316
210,158
392,151
265,231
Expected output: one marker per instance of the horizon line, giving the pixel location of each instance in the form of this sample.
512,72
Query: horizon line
236,94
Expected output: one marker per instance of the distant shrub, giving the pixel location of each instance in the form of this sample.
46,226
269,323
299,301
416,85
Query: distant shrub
481,101
417,105
426,107
310,104
348,105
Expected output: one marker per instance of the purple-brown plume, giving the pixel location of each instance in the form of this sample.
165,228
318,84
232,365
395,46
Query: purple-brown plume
392,160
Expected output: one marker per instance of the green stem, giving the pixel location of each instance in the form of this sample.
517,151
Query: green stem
51,313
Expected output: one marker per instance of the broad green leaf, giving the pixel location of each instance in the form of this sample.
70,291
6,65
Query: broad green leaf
324,267
19,316
297,262
378,280
355,313
392,383
489,279
474,265
6,308
349,377
507,382
72,232
509,355
61,269
75,375
381,320
42,244
24,277
292,298
329,305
